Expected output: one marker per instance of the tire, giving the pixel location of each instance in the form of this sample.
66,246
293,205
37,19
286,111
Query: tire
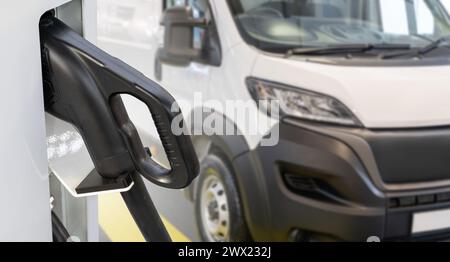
218,208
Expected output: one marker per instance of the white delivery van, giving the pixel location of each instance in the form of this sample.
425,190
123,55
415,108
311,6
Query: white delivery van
363,88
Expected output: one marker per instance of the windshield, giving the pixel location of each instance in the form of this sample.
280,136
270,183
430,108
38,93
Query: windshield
283,24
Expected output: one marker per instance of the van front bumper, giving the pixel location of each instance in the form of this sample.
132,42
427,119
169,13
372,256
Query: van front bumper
324,182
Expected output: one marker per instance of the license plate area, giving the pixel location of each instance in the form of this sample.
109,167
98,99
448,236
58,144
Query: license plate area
430,221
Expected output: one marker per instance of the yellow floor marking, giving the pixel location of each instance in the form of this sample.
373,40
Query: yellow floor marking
118,224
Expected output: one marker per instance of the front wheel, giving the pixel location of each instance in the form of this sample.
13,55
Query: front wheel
217,203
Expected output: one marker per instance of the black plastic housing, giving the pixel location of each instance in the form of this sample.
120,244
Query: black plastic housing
83,86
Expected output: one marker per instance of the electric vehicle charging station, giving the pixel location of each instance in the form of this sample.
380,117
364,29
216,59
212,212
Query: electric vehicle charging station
70,108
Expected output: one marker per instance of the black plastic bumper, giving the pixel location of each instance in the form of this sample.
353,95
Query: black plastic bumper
324,183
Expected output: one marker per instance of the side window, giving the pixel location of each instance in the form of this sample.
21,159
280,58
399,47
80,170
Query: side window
394,16
446,4
199,7
407,17
172,3
425,21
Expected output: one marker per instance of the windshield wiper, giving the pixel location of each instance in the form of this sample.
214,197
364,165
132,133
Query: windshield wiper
339,49
421,51
436,44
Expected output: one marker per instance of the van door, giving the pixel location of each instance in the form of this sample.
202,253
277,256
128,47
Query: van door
188,83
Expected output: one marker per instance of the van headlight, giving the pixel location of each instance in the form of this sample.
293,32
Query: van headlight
280,100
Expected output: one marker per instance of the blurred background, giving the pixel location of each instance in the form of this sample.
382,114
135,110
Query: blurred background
131,31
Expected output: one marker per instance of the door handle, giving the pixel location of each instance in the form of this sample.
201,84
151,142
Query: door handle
83,86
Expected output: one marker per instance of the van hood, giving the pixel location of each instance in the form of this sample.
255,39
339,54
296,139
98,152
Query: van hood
380,97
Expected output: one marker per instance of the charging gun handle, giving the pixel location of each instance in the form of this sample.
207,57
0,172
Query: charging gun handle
87,84
83,86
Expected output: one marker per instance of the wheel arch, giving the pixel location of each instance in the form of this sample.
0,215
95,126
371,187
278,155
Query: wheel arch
231,146
236,149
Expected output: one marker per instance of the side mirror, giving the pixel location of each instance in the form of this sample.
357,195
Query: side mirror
181,37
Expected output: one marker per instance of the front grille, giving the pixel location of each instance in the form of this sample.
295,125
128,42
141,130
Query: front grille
419,200
411,156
